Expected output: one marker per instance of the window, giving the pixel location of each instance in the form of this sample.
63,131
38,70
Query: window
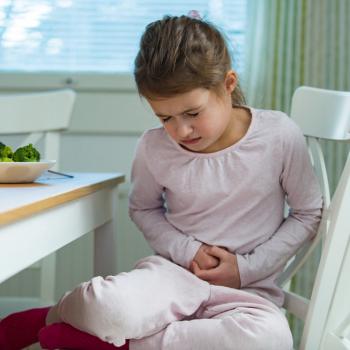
92,36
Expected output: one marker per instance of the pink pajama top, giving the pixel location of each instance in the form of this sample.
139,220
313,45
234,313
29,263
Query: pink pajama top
232,198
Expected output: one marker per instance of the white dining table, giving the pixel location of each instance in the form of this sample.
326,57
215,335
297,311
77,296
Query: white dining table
39,218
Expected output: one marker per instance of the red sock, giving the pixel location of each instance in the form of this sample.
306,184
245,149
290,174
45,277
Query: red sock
63,335
21,329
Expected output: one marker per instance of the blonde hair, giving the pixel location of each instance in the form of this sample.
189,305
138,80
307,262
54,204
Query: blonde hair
179,54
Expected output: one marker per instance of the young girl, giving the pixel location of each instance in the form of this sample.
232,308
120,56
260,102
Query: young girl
208,192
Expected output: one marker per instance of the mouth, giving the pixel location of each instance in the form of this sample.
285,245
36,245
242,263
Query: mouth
191,141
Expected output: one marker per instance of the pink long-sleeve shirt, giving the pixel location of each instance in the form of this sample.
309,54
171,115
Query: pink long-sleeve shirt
232,198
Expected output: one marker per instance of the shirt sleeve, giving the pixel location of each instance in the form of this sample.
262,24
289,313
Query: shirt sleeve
304,198
147,209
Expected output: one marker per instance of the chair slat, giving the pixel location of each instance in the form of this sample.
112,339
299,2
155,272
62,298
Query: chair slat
320,169
296,304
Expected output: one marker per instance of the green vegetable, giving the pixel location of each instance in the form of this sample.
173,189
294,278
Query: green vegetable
6,153
26,154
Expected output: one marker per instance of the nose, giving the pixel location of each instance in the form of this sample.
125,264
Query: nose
184,129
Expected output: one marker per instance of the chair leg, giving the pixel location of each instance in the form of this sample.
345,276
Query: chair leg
48,278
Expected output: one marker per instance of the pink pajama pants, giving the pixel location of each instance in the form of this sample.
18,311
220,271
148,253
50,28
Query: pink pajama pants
162,306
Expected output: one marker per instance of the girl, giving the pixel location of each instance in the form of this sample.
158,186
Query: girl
208,191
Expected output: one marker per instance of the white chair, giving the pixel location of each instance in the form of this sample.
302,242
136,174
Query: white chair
325,114
39,115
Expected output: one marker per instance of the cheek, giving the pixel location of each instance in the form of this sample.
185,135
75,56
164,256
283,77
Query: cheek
170,130
212,121
220,120
208,128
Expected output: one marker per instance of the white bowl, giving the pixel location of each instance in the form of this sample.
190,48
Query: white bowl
23,172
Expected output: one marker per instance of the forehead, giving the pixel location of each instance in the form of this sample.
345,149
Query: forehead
179,103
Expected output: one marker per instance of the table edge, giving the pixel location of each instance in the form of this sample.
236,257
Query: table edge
16,214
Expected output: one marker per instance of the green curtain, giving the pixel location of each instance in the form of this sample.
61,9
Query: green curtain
292,43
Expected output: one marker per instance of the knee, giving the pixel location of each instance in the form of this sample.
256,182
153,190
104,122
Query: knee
276,335
93,305
263,330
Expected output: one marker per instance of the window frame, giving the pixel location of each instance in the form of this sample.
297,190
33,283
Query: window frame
79,81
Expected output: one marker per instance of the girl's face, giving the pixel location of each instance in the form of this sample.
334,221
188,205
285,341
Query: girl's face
198,120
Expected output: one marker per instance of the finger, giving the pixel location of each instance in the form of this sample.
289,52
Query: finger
212,260
191,266
202,274
195,268
209,275
217,252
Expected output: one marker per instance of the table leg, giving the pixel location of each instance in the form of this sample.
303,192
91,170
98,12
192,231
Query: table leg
105,250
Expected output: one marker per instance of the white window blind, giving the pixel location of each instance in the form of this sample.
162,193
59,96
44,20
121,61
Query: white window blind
97,36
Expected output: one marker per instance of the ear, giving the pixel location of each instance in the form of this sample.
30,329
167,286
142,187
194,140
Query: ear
230,81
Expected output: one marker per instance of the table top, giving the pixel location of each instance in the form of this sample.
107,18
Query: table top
20,200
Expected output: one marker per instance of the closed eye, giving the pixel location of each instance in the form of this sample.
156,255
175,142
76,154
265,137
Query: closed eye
164,120
192,114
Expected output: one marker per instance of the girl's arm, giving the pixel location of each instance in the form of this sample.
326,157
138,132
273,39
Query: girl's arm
303,196
147,210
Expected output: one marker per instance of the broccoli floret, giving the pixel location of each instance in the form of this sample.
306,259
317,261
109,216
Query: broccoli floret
6,153
26,154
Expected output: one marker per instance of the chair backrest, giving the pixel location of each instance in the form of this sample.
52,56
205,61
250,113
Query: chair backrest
324,114
35,112
40,115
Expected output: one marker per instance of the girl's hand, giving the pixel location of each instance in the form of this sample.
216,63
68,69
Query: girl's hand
203,259
225,274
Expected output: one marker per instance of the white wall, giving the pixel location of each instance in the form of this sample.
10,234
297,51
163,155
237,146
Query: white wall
106,123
